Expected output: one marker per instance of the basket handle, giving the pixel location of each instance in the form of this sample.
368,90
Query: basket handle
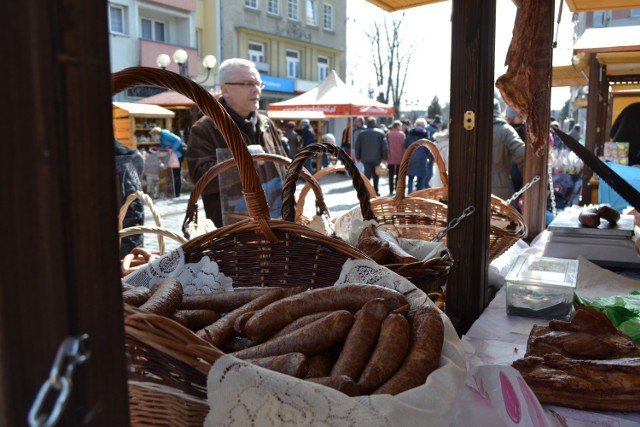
251,185
289,186
321,174
191,215
159,231
404,166
152,207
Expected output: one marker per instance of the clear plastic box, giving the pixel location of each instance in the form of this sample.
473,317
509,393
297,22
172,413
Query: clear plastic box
541,287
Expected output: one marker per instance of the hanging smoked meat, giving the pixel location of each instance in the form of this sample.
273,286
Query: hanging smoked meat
526,84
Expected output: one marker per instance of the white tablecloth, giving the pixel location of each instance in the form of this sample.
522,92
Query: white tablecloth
498,339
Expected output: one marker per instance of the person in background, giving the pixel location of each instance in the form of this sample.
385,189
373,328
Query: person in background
129,168
406,125
358,126
626,128
170,142
395,138
345,143
152,167
241,89
434,126
284,141
441,139
329,139
516,121
371,150
292,138
419,163
308,138
558,143
507,148
576,132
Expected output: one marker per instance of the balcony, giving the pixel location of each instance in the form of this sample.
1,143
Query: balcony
149,51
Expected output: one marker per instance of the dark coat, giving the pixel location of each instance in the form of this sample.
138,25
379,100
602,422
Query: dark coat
205,138
371,146
421,163
129,167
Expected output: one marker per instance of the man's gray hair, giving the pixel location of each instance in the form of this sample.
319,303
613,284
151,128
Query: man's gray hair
228,66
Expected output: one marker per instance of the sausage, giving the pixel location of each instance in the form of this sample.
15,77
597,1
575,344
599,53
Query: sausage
427,338
224,302
238,325
361,340
348,297
294,364
388,355
220,331
312,339
589,218
608,213
197,319
166,298
177,317
136,296
299,323
341,383
320,365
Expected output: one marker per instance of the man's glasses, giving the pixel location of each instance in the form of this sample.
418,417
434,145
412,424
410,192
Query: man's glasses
259,85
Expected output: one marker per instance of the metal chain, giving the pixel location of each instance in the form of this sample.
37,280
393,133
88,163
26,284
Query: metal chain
552,193
523,189
454,223
72,352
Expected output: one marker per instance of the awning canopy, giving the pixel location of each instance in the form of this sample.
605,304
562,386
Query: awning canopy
574,5
168,99
144,110
335,99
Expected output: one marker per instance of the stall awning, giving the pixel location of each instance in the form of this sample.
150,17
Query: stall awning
574,5
144,110
168,99
609,39
568,75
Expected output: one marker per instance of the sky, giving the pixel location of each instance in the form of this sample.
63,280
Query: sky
429,29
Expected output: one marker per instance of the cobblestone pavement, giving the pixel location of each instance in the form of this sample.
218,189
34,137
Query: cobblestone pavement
339,195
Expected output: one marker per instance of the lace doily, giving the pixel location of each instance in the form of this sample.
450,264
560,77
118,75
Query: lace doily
202,277
241,394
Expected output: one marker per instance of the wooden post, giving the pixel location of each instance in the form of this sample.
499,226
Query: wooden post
60,274
594,131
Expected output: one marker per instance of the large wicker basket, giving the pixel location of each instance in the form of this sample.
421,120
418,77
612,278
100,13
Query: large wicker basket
507,225
257,251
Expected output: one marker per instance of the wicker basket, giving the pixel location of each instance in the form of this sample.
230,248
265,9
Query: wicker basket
291,211
191,216
507,225
429,275
257,251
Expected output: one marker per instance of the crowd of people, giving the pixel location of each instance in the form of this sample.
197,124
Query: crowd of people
368,142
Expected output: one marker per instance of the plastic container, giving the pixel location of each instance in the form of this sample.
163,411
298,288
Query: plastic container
541,287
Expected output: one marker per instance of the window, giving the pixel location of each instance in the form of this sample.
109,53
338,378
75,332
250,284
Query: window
273,7
323,67
312,13
293,64
152,30
328,17
116,19
252,4
293,10
256,52
635,12
598,19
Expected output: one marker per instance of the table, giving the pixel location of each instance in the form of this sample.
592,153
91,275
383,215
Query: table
498,339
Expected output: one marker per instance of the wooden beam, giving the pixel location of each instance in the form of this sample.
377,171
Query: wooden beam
60,274
594,131
472,70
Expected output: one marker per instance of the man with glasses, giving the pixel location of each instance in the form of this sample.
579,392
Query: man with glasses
241,88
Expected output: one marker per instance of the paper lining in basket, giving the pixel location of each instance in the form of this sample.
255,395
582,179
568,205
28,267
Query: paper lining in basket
241,394
203,277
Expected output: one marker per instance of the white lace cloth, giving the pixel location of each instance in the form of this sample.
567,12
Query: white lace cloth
242,394
202,277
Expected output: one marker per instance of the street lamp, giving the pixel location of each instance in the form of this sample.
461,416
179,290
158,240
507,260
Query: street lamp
181,57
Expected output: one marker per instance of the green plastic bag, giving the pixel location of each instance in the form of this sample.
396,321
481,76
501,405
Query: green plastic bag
622,310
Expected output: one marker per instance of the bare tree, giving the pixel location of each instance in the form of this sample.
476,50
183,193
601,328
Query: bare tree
391,57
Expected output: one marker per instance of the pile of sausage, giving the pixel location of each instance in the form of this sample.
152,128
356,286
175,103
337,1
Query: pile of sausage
359,339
